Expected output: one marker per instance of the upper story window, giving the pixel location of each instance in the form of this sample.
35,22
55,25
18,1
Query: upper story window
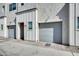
3,8
12,6
22,4
78,23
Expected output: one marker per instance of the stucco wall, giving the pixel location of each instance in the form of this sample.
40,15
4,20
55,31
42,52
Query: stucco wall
10,15
48,11
71,24
26,6
3,33
64,15
1,9
76,29
26,17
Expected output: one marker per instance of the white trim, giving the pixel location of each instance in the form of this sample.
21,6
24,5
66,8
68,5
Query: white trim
37,27
51,20
5,28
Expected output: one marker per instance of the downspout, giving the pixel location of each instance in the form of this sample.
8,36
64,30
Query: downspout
15,18
75,24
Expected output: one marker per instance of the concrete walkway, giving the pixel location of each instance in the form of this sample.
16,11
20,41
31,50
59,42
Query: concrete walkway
20,48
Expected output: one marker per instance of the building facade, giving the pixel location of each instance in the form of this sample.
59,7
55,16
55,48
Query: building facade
41,22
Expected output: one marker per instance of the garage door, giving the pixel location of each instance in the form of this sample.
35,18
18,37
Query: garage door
11,32
51,32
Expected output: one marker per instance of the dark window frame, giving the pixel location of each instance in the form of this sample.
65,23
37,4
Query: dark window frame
12,7
3,7
30,25
77,22
1,26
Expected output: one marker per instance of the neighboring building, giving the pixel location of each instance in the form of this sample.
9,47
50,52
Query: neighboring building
46,22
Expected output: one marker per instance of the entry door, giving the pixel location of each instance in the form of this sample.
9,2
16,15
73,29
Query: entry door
46,34
22,31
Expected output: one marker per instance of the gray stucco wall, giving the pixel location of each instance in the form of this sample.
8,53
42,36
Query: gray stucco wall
26,6
64,15
49,11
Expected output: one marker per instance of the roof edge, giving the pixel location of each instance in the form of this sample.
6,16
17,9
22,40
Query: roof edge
25,11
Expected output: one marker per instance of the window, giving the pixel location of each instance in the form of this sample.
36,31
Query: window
30,25
78,23
12,6
3,8
1,27
22,4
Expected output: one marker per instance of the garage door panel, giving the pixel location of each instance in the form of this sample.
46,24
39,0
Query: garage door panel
46,35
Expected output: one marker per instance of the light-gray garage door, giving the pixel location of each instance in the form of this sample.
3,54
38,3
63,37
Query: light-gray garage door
12,32
51,32
46,35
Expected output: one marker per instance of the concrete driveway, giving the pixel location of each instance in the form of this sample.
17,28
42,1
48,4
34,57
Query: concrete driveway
16,48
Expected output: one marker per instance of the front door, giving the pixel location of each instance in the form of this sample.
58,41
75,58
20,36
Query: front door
22,31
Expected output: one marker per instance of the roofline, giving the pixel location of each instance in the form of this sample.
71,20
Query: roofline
48,21
25,11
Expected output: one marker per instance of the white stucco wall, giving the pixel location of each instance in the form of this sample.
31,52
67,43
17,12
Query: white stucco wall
10,15
76,29
3,33
2,9
26,17
71,24
26,6
47,12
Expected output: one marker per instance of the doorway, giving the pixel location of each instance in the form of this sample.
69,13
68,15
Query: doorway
22,31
